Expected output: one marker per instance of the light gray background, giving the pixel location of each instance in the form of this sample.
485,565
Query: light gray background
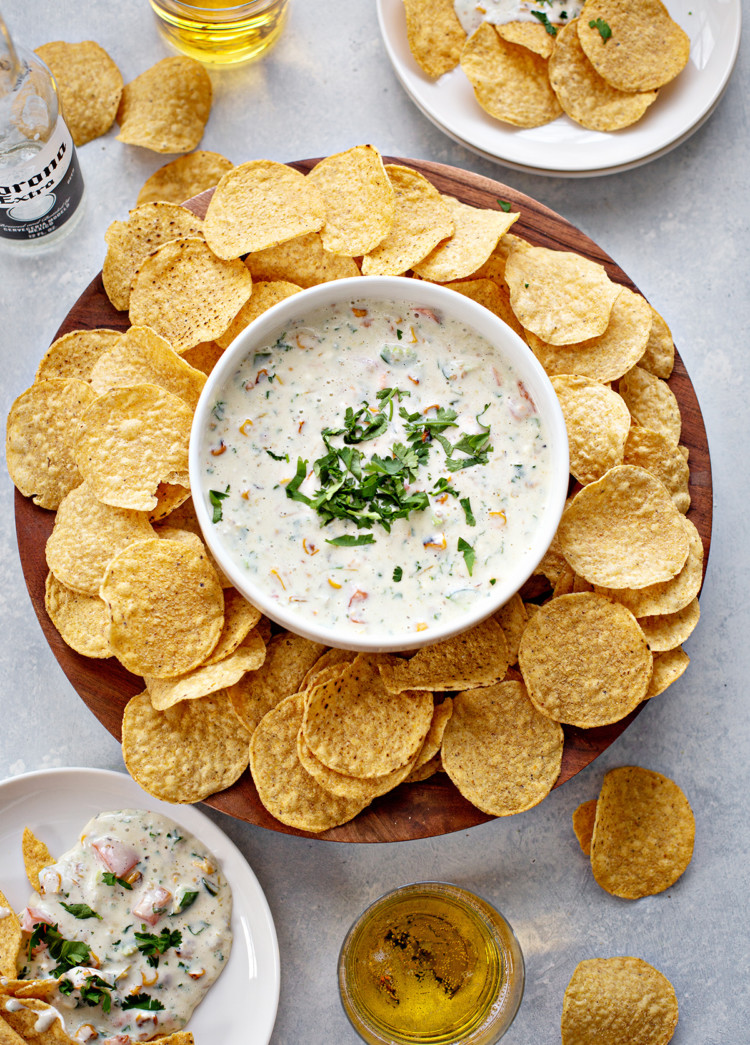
679,228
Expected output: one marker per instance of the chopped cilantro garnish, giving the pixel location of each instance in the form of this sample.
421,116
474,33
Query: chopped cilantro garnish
80,910
187,900
142,1001
67,953
604,29
93,991
278,457
504,205
216,497
111,879
399,334
397,573
541,17
466,505
351,540
152,945
468,553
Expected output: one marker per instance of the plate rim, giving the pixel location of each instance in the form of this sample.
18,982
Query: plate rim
34,782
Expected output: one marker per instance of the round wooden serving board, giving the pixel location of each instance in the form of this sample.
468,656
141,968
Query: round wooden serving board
411,811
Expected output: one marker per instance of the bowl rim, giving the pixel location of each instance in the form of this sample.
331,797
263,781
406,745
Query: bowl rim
423,294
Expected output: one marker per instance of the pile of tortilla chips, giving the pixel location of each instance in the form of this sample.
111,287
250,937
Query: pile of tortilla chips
27,1009
602,69
102,439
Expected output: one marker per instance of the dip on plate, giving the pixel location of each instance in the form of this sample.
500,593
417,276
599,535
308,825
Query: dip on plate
375,469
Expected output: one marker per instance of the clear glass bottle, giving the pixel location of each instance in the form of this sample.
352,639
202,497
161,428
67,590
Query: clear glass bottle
41,188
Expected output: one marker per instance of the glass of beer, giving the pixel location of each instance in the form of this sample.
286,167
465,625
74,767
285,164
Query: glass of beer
221,32
431,963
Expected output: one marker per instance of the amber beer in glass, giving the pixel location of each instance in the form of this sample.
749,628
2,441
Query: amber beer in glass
221,32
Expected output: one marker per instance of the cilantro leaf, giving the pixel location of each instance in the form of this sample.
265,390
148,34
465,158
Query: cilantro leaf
397,573
111,879
216,497
504,205
541,17
142,1001
468,553
67,953
80,910
465,503
604,29
351,540
153,946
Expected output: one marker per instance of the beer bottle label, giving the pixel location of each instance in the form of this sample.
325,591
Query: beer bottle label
39,196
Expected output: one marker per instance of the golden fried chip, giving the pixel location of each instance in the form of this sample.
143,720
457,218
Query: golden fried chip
210,676
184,177
614,1001
624,531
130,242
168,497
187,294
435,35
302,261
10,938
421,219
585,660
142,357
40,439
597,422
434,739
584,95
426,770
284,786
645,48
260,204
240,618
89,84
36,856
331,658
30,1022
494,297
553,563
166,607
166,108
643,833
359,789
81,620
130,440
502,755
288,659
658,357
659,456
607,356
532,35
561,297
204,356
667,631
358,198
652,403
512,618
667,596
182,523
510,81
583,824
477,657
475,236
264,295
74,354
186,753
668,667
355,726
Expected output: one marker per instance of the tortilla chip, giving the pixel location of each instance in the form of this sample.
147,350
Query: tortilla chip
659,456
166,108
142,357
667,631
302,261
532,35
10,938
476,233
477,657
74,354
597,422
36,856
264,295
583,824
184,177
668,667
81,620
496,298
512,618
435,35
358,198
652,403
658,357
89,84
209,677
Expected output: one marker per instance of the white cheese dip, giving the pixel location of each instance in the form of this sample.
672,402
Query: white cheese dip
471,13
265,436
134,923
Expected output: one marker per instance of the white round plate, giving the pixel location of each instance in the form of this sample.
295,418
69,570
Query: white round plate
240,1008
562,147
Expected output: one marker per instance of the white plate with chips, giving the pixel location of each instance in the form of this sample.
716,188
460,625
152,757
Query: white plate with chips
240,1009
562,147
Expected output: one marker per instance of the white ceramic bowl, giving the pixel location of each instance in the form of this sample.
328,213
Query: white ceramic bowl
264,331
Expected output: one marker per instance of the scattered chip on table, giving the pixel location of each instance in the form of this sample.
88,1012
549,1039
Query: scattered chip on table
166,108
185,177
583,824
74,354
89,83
358,198
618,1001
142,357
81,620
585,660
187,294
643,833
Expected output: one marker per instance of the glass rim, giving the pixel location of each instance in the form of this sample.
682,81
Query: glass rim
216,13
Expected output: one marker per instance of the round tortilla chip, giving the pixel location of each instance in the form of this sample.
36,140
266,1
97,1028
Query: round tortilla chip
240,619
584,95
585,660
651,402
131,439
659,456
355,726
658,357
477,657
434,739
358,198
203,356
142,357
510,81
597,422
360,789
184,177
668,667
421,219
494,297
512,618
74,354
186,753
81,620
187,294
475,236
260,204
40,439
284,786
166,607
667,631
643,833
130,242
561,297
583,824
607,356
89,84
301,261
528,34
435,35
624,531
646,48
264,295
613,1001
502,755
166,108
208,677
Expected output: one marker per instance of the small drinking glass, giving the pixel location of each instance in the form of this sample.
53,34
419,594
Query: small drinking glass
221,32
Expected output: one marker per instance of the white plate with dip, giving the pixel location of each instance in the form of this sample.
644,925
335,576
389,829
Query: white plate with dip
562,147
292,374
240,1008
